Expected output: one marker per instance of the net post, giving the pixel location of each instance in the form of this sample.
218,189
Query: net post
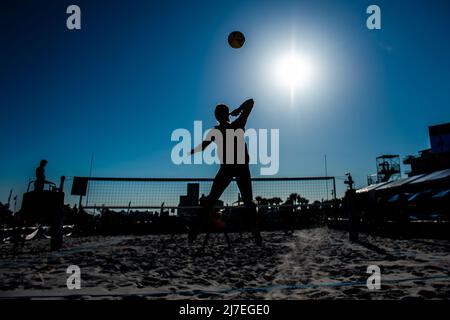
334,188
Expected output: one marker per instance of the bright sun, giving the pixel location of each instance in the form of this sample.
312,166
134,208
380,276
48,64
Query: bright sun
295,72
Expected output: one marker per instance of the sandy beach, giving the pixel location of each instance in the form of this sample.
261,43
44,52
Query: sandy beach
317,263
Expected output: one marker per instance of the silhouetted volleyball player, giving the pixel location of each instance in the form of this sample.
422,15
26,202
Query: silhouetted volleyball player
231,167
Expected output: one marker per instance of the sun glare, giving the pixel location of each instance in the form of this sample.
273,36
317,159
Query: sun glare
294,72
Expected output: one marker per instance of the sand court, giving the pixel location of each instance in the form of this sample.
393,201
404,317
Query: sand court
317,263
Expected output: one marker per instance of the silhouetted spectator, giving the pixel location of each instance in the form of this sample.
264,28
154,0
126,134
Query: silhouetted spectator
40,176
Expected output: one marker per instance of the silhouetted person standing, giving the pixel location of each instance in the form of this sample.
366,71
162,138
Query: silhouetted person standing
231,167
40,176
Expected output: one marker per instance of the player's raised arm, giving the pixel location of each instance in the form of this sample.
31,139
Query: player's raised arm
205,143
202,146
242,112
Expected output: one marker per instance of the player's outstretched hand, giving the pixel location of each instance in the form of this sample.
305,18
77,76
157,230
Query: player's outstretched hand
236,112
246,104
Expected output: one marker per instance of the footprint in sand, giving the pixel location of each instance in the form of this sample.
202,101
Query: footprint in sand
352,291
427,294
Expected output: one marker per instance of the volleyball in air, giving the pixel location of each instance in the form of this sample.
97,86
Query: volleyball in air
236,39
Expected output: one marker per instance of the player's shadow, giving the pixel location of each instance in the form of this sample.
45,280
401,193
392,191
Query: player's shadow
366,244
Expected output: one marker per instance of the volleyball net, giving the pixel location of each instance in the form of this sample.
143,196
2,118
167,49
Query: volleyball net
172,193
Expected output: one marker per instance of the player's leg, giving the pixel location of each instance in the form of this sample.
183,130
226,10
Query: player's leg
220,183
244,182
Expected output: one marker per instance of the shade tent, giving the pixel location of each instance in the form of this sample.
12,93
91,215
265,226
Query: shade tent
401,182
435,176
442,194
372,187
394,198
420,195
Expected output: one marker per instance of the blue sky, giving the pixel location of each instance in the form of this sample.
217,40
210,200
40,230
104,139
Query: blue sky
138,70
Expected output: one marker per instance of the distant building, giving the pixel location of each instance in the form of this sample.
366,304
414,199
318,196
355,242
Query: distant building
440,138
193,191
388,169
437,157
189,200
219,203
